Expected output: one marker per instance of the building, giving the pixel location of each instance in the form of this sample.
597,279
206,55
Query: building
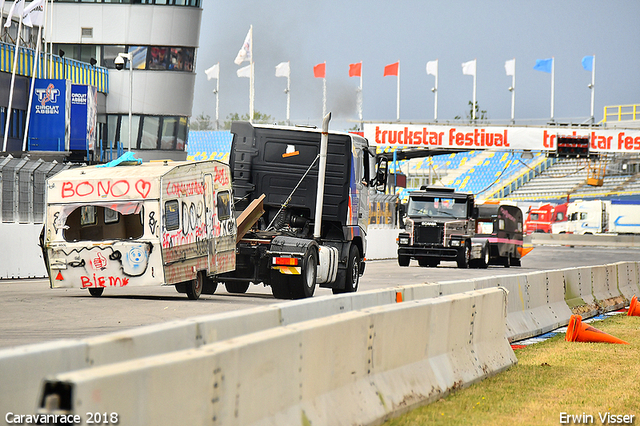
162,38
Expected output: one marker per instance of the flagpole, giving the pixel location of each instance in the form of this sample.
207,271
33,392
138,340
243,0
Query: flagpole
324,95
398,95
475,73
288,97
593,87
360,98
33,79
513,93
44,47
251,94
13,82
435,106
217,99
553,66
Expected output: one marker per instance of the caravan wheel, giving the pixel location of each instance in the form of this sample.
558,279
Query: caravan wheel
194,287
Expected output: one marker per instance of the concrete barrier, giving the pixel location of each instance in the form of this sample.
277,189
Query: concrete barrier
578,292
354,368
605,288
628,279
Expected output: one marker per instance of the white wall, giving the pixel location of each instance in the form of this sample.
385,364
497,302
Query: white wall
20,255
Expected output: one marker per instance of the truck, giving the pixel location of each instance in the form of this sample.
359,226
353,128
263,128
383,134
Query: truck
160,223
313,230
439,225
546,218
499,235
304,197
616,216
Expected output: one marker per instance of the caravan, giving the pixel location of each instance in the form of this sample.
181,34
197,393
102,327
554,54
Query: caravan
162,223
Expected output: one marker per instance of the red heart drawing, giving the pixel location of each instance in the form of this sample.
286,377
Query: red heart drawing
143,187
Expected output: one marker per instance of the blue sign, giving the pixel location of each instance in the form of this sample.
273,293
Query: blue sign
84,108
49,122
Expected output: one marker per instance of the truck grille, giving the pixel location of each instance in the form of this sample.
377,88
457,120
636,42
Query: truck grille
427,235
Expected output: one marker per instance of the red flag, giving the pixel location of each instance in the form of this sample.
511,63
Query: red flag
319,70
355,70
391,69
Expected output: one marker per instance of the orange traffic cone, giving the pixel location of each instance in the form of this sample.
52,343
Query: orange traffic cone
634,308
577,331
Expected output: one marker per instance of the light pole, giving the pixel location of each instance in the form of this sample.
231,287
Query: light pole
119,62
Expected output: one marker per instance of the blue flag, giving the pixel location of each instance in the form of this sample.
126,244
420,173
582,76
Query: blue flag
544,65
587,63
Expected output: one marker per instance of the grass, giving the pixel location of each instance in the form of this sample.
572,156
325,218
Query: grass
550,378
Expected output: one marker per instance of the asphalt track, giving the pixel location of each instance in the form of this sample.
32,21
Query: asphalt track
30,312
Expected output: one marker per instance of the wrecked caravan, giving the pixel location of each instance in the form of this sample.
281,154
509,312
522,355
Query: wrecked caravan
162,223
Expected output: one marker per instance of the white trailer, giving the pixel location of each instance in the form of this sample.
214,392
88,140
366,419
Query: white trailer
603,217
162,223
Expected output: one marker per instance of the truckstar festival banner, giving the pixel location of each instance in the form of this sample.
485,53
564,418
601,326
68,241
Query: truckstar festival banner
495,137
50,115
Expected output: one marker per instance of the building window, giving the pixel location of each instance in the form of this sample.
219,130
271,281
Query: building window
150,128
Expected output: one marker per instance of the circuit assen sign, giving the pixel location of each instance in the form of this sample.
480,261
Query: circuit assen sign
495,137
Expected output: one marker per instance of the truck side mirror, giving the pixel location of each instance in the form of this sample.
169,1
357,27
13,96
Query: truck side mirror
474,213
382,171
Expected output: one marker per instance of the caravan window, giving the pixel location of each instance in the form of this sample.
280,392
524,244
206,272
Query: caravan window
171,215
224,205
102,221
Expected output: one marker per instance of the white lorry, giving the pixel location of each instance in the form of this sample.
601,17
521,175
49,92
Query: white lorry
603,217
163,223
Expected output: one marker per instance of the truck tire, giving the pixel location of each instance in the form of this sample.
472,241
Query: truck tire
506,261
280,286
304,285
352,274
483,262
210,286
404,260
464,255
194,287
96,292
237,287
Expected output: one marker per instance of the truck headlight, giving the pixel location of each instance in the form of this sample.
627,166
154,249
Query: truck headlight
403,240
455,243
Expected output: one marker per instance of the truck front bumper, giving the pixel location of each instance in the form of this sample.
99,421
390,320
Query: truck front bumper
442,253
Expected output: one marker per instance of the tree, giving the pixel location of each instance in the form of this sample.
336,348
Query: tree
481,115
258,117
201,122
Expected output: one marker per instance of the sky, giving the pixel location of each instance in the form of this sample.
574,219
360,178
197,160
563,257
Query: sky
378,33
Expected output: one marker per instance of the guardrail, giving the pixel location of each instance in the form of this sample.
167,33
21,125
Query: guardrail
271,364
538,238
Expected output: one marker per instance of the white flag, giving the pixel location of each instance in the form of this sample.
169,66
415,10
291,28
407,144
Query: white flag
244,72
510,67
34,14
213,72
432,67
469,68
244,54
16,8
283,70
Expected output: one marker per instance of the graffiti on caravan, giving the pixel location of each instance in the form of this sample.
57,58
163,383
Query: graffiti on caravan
106,188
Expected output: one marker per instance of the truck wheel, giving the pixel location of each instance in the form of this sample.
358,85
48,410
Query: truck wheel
280,287
484,261
237,287
506,261
423,262
464,255
304,285
96,292
194,287
404,260
352,274
209,286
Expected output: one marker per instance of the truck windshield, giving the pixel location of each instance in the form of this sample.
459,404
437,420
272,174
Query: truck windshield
437,207
102,221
